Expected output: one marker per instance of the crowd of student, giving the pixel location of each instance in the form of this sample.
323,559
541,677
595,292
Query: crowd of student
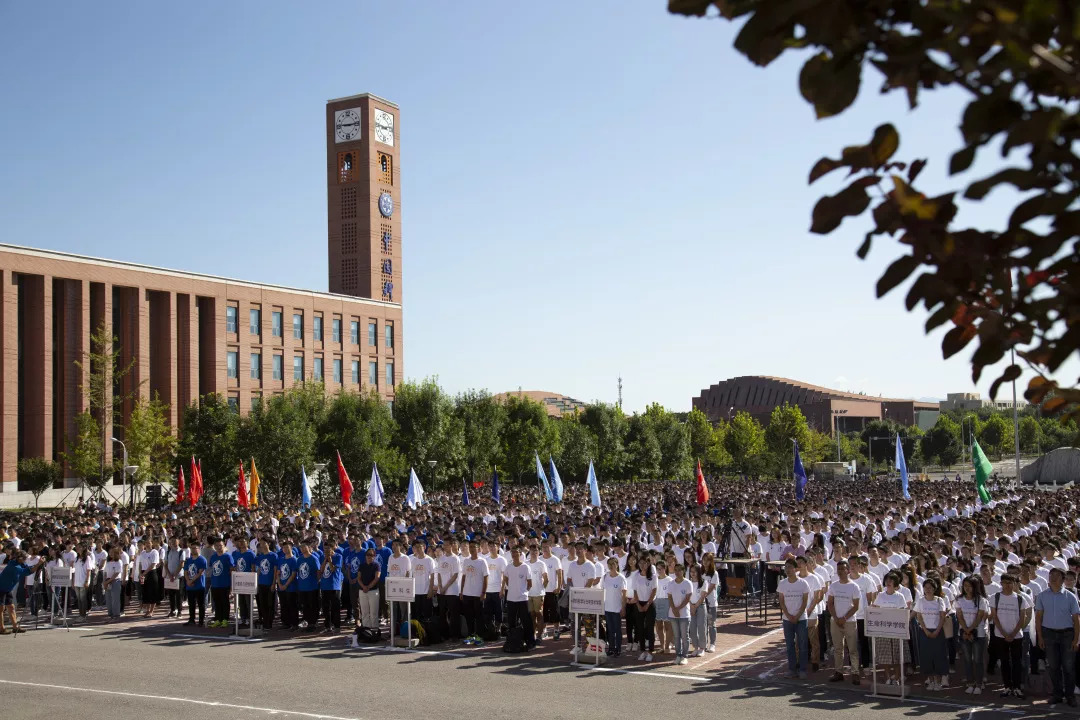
993,585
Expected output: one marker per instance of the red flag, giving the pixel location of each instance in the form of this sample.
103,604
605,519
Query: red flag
196,486
343,480
181,491
702,488
241,490
478,484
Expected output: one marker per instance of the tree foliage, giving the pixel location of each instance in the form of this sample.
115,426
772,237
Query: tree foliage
745,442
209,435
527,431
38,475
150,442
483,420
428,429
608,426
1017,63
83,454
941,443
786,423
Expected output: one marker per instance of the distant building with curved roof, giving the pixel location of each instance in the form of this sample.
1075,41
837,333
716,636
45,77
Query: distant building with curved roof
557,405
759,394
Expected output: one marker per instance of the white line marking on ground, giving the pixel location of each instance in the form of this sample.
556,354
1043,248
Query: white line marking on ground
230,638
209,703
746,644
385,648
650,673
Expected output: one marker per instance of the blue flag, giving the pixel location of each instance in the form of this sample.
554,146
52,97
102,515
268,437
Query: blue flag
542,478
556,482
800,475
901,465
495,494
594,487
464,492
305,489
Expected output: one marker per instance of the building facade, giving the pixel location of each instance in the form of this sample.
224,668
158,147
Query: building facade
556,405
825,410
188,334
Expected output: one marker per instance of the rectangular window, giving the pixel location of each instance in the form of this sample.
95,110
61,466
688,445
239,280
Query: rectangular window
337,370
255,320
389,376
298,368
355,372
372,334
373,373
335,330
279,370
389,333
231,360
230,318
234,404
354,332
316,328
256,401
276,320
316,371
256,366
298,326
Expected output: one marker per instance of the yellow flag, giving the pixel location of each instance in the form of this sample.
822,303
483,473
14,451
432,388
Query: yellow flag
254,491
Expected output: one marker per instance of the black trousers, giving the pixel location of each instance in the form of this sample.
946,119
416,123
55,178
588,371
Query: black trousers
243,602
517,613
646,629
1010,655
289,604
472,609
309,604
331,607
421,608
196,598
264,601
176,601
493,608
450,612
864,644
220,596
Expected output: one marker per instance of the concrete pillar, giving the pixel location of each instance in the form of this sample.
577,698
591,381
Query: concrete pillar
9,388
36,320
162,351
187,352
101,319
141,316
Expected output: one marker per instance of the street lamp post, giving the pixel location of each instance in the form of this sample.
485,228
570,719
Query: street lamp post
128,470
729,411
431,464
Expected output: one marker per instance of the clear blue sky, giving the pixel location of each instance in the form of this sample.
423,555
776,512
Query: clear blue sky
588,189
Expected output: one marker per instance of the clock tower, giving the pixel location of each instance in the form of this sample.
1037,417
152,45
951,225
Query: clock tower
363,183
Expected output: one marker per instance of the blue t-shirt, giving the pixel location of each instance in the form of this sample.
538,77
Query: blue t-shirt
12,574
221,570
192,567
383,556
287,572
265,564
307,573
331,575
353,559
244,561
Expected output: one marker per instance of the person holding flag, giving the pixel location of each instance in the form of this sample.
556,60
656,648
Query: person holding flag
345,483
254,490
241,488
983,468
702,488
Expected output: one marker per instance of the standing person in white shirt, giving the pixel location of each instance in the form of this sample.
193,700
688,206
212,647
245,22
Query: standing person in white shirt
84,569
931,609
795,596
710,580
473,590
148,562
697,612
448,588
423,571
890,652
493,609
552,589
516,583
663,608
844,597
679,590
1010,612
972,611
398,565
614,585
113,575
538,576
645,586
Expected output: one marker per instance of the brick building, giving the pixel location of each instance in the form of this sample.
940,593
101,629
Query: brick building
758,395
190,334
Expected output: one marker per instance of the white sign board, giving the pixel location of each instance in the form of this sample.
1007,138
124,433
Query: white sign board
60,577
172,584
245,583
401,589
587,601
887,623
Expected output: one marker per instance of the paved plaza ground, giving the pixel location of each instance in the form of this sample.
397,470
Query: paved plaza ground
160,668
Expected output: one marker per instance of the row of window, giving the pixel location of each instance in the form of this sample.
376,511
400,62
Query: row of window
256,401
232,359
255,327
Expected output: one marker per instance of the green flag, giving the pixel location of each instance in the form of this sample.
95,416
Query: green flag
982,472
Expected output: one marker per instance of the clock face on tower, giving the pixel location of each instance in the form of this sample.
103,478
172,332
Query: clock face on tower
386,204
384,127
347,124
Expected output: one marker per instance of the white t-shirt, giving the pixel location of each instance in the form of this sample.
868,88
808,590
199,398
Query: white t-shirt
579,574
475,571
113,569
517,588
885,600
421,570
792,593
148,559
536,574
1009,608
613,592
868,586
678,592
844,595
552,567
643,587
930,609
970,610
814,583
448,567
496,567
398,566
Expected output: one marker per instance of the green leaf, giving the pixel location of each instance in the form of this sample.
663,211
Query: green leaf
962,159
897,273
884,143
832,209
822,167
830,83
